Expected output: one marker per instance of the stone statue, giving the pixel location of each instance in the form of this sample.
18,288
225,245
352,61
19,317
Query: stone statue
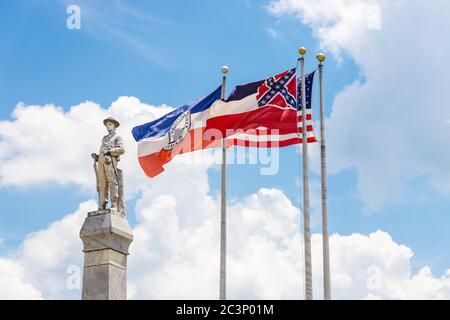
109,176
105,233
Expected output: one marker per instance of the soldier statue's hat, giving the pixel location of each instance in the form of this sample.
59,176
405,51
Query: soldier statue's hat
113,120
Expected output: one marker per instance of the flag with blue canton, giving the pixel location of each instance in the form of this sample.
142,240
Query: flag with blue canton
309,78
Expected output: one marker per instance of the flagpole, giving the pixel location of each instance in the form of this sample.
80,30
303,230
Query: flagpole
323,171
306,219
223,205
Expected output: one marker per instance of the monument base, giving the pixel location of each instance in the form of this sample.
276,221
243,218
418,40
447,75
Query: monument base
106,237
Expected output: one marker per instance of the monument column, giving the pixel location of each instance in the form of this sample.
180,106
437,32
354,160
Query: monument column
106,238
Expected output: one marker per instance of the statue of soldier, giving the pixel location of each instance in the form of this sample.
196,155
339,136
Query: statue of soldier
109,177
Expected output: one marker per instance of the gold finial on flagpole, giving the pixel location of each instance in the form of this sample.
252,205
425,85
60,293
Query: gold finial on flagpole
224,69
302,51
321,57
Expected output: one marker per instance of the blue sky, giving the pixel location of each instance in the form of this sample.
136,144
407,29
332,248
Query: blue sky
168,52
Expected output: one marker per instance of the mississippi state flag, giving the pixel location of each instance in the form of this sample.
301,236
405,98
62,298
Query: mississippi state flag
259,114
265,113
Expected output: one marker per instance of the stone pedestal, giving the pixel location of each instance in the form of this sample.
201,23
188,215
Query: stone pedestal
106,236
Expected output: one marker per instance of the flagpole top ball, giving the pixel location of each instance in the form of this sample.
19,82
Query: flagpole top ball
320,57
224,69
302,51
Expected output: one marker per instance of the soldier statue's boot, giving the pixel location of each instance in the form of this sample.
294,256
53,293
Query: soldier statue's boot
103,205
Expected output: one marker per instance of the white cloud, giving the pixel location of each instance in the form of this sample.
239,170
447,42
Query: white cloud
176,248
182,258
56,248
48,144
175,254
392,126
39,267
363,265
12,283
30,155
339,24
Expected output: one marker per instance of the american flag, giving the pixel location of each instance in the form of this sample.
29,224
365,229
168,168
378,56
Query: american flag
309,79
280,91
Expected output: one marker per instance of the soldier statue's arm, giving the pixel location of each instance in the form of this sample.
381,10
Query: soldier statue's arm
118,148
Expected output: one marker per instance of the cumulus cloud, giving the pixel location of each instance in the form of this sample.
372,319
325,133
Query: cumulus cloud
390,125
13,285
182,258
39,267
47,144
175,255
338,24
375,266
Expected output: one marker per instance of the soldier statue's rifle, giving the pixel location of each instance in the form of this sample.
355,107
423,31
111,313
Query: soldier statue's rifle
95,158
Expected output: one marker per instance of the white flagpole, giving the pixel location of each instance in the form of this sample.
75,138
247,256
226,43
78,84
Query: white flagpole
306,222
223,206
323,171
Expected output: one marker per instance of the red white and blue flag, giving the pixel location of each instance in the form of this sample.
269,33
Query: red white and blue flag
180,131
266,113
258,114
